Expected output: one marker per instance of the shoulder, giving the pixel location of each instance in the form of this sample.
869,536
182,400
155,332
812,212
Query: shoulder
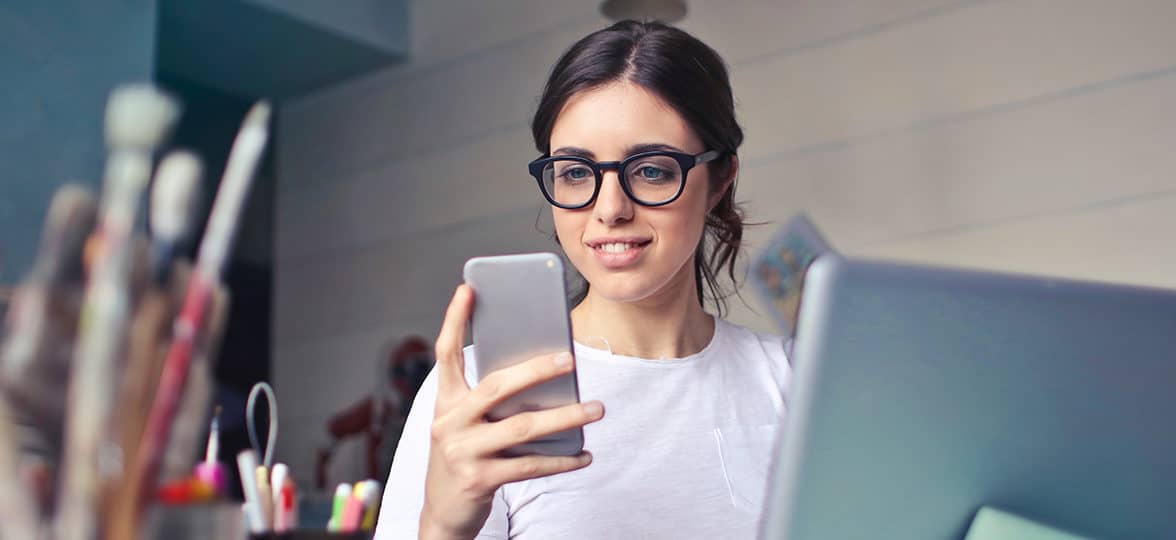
757,352
771,346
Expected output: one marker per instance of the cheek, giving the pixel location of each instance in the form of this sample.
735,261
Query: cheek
692,214
679,229
683,229
568,226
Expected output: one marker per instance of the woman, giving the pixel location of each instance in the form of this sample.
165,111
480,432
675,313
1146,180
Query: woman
639,138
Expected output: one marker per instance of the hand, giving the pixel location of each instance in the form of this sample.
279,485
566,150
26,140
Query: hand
465,463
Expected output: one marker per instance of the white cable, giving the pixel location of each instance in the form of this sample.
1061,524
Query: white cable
251,427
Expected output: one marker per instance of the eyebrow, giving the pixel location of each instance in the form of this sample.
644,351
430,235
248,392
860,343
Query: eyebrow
629,151
573,151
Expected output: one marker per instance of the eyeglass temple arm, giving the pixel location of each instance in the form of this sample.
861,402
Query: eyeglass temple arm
706,156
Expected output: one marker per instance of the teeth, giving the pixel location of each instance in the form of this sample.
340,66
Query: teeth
615,247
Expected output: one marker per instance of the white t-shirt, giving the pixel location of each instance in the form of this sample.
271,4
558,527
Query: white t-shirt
683,449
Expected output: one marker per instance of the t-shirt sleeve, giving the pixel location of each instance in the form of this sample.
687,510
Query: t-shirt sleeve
404,492
497,525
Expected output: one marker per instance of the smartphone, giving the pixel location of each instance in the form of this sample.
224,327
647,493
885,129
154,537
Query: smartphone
521,311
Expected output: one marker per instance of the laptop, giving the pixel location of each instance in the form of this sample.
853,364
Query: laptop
923,394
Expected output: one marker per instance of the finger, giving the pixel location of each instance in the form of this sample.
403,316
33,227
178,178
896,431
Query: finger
451,382
500,385
524,427
507,470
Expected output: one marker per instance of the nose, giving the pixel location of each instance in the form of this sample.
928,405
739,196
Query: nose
612,205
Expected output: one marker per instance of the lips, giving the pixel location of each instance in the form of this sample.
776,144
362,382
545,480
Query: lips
617,253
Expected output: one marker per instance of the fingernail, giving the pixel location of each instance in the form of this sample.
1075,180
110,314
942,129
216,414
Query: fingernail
593,409
562,360
585,458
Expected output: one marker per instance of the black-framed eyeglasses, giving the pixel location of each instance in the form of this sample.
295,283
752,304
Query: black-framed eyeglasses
649,178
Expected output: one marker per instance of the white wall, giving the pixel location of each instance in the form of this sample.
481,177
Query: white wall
1024,135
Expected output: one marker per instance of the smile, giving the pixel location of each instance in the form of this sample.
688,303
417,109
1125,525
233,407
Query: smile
618,253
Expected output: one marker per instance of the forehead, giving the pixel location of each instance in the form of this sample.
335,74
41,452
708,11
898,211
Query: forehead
608,119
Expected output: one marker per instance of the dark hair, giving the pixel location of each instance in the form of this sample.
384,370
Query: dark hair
691,78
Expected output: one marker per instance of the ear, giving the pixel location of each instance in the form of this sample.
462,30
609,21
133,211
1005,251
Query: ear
732,173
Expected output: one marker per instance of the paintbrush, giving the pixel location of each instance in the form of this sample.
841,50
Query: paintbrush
172,204
222,223
34,359
138,118
173,198
29,359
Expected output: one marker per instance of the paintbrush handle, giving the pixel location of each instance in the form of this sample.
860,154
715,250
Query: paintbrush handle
244,157
144,367
176,366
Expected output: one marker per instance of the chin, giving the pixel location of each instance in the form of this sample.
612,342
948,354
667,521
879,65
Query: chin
622,288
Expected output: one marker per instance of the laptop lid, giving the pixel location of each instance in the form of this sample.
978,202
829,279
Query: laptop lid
921,394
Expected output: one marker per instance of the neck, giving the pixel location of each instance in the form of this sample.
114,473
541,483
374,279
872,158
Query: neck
669,324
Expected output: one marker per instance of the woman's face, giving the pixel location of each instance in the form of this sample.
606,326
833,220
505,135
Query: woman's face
626,251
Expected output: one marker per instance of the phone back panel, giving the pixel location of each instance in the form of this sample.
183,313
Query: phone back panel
520,311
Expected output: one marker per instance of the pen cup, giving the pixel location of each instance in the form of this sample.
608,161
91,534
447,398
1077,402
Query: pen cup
195,521
309,534
222,521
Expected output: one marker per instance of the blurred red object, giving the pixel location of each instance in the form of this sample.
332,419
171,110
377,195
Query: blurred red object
186,491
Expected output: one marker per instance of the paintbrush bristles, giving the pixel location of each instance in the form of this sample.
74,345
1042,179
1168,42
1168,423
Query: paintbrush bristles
139,116
259,114
173,195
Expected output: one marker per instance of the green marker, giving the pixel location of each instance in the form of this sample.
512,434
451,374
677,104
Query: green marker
342,494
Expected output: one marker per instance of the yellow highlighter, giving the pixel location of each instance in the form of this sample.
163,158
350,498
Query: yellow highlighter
264,497
373,506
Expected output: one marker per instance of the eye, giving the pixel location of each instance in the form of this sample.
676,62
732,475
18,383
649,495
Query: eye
649,172
654,173
572,174
578,173
575,173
